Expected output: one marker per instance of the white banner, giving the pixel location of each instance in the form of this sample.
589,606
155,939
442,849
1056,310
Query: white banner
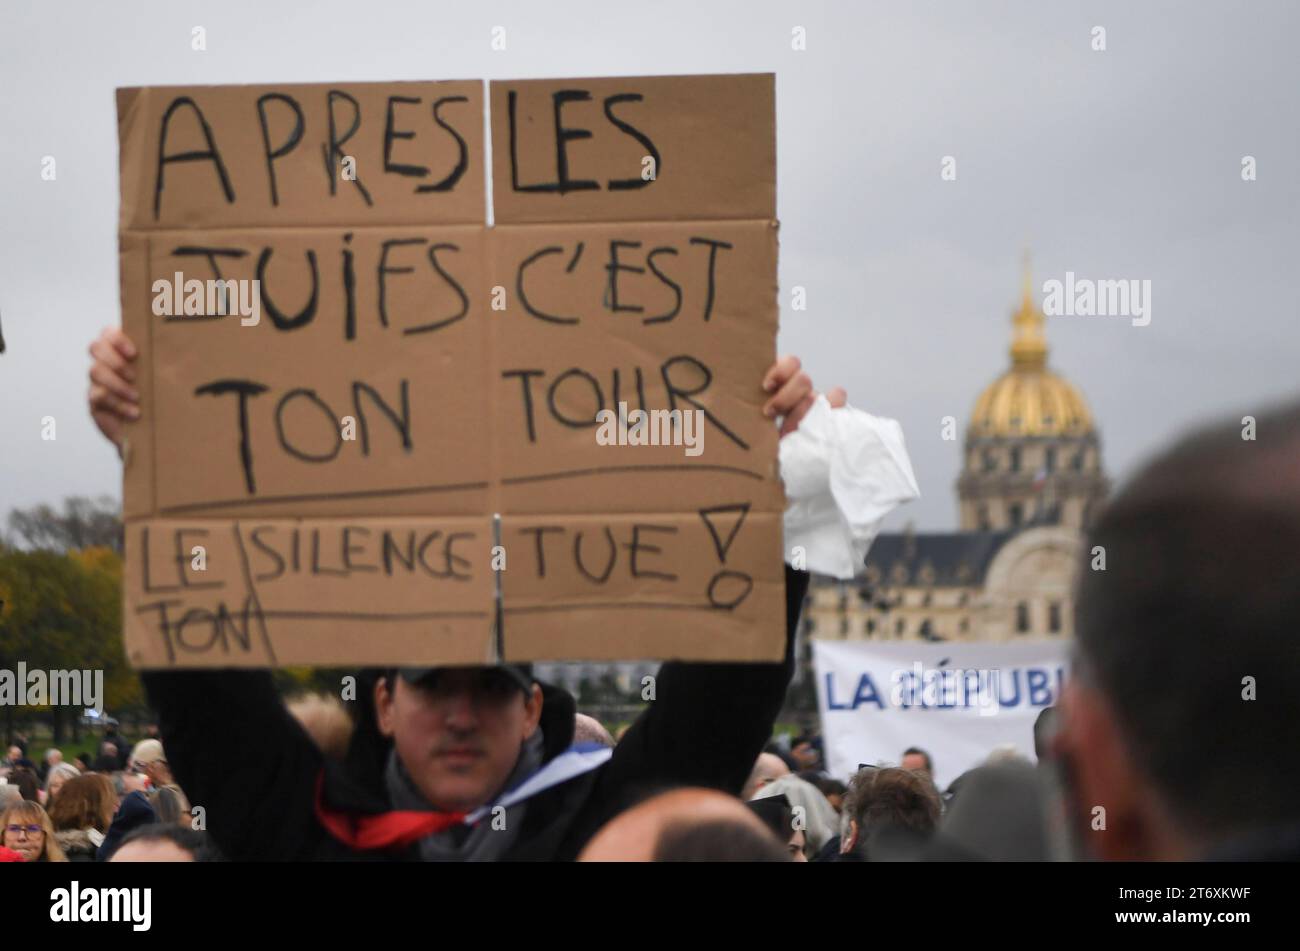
958,702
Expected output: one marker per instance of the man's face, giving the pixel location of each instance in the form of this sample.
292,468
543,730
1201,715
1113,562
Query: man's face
916,763
19,836
458,734
805,754
57,782
13,754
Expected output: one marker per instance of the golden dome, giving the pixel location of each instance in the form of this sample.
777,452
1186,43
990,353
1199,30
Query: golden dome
1029,399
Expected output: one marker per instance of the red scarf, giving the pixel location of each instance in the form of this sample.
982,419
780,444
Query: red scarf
384,830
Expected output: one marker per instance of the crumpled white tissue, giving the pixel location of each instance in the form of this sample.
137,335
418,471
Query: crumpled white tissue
844,471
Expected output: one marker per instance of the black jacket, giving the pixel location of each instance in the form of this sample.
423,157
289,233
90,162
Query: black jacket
134,811
238,753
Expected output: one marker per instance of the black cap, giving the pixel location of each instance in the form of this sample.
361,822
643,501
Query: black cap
520,674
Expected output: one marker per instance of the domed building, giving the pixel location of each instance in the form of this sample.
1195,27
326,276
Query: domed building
1032,453
1031,481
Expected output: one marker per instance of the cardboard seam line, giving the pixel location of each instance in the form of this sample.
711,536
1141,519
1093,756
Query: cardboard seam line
350,225
153,394
499,642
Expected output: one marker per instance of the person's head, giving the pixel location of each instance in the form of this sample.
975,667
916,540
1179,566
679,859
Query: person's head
59,774
325,720
806,751
125,783
917,760
685,825
1000,815
889,799
1006,753
82,762
775,813
27,782
148,758
590,730
85,802
767,767
1045,727
53,757
14,754
27,830
1188,596
832,789
458,731
163,842
108,748
171,806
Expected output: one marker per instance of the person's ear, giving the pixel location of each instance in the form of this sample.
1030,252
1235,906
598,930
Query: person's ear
1107,790
384,715
852,840
532,711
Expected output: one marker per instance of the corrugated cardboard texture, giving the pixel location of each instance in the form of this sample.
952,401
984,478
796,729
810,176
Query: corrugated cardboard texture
576,149
414,373
272,156
365,591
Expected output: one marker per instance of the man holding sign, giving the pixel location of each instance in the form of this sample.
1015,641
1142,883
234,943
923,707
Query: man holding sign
451,763
362,426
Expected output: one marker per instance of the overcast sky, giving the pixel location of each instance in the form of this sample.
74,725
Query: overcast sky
1117,164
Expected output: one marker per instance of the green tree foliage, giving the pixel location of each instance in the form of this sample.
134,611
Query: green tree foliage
61,604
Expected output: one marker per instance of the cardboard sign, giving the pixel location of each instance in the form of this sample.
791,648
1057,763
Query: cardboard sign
376,430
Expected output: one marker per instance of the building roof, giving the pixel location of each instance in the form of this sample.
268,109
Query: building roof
1029,399
933,558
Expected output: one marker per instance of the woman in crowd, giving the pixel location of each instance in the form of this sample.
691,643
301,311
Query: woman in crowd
27,830
82,814
60,773
170,805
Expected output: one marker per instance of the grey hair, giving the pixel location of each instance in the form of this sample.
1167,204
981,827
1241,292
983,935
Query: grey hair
66,770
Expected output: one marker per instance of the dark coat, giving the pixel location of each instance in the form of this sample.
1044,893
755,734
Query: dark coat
134,811
237,752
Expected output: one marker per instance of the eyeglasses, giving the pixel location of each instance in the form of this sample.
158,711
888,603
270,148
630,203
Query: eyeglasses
30,830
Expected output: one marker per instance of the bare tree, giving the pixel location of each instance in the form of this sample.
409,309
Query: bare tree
82,523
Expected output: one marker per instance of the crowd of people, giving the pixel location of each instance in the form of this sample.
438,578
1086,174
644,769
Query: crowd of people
792,809
121,806
1165,743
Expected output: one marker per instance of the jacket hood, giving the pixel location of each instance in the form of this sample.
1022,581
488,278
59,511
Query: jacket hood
79,840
